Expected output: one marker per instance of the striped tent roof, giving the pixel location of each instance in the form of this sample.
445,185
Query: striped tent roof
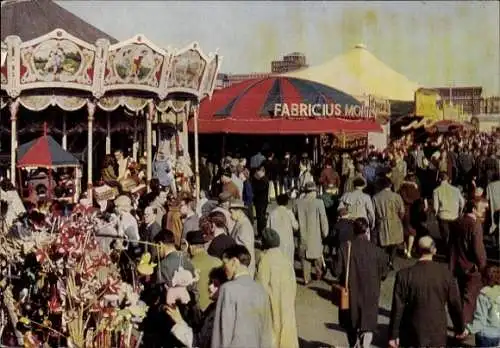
30,19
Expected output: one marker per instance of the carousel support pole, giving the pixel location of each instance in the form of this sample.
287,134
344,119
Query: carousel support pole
14,108
64,132
135,145
108,133
196,155
149,142
90,146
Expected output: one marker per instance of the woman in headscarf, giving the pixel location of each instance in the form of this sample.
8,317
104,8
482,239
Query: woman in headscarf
277,276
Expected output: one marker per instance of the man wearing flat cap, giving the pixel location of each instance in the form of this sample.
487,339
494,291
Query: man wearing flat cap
313,227
203,264
223,207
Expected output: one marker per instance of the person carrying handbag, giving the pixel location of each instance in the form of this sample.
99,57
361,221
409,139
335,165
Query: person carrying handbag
360,266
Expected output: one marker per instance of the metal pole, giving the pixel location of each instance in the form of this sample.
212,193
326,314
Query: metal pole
64,132
196,155
108,133
90,145
14,107
149,142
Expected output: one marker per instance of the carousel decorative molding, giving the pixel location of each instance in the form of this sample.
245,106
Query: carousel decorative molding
61,60
160,86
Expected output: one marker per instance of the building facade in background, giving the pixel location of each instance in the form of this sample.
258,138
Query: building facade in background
490,105
470,98
290,62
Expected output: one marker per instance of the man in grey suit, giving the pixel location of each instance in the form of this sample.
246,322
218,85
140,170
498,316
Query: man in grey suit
243,313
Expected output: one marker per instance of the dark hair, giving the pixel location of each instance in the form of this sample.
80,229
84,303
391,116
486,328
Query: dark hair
443,176
385,182
59,191
165,236
360,226
109,160
154,185
328,162
492,276
282,199
186,197
218,219
358,182
239,252
470,206
218,274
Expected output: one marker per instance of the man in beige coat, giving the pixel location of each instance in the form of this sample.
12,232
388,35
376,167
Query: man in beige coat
278,278
389,212
313,227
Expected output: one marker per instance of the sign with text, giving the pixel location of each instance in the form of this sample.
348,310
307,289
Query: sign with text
324,110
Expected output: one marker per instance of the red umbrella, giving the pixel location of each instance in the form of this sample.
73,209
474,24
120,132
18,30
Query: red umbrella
250,107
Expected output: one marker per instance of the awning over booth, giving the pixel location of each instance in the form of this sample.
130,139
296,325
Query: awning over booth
44,152
281,105
358,72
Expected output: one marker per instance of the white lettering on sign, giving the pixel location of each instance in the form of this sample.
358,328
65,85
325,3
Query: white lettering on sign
324,110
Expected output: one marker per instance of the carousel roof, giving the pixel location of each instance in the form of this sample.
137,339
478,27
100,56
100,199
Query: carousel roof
30,19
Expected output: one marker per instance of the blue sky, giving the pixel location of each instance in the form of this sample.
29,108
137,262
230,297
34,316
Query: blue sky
433,43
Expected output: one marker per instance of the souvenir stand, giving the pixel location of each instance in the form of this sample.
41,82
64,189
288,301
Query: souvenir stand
46,153
59,69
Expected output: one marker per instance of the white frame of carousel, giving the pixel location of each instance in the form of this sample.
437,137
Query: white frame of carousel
149,81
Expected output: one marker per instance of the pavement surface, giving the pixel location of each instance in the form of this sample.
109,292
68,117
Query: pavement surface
317,317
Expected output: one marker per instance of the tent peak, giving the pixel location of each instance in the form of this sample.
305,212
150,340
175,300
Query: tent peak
361,45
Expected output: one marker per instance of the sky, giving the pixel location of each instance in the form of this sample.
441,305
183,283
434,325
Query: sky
449,43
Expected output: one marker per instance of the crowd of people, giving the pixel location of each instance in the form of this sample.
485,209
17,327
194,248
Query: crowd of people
218,270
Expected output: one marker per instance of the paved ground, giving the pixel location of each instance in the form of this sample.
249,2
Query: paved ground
317,317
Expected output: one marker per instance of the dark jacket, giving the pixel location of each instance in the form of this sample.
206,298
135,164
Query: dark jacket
260,190
468,255
368,266
418,316
343,231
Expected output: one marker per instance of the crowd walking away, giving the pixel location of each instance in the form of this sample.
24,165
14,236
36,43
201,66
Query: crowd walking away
161,267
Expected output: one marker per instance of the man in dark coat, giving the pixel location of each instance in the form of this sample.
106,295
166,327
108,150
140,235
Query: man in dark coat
368,266
468,258
421,294
260,186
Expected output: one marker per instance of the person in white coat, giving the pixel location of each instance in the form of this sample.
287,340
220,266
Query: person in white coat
243,232
283,221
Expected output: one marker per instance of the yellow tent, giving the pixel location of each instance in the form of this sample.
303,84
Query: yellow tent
360,73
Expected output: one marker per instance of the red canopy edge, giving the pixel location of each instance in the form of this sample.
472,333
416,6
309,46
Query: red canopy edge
285,126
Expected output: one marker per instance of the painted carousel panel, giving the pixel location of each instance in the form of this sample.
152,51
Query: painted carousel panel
134,64
187,70
57,62
210,76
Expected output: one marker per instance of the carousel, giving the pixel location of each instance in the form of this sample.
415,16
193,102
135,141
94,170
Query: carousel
133,87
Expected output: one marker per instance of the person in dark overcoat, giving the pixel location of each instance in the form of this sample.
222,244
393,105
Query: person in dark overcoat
369,265
421,294
468,258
